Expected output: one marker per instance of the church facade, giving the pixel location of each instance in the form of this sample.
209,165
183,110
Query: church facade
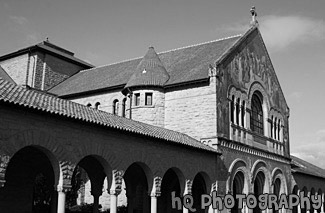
192,120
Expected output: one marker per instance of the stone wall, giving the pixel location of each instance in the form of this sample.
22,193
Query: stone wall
150,114
105,99
192,110
17,68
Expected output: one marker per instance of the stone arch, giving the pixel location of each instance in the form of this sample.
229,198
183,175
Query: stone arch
320,192
256,86
27,165
236,166
138,180
295,190
278,173
42,140
173,181
199,187
305,191
260,166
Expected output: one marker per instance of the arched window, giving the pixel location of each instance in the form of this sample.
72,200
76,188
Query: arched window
271,126
115,107
232,108
243,114
275,128
89,105
279,128
123,107
97,105
237,111
257,114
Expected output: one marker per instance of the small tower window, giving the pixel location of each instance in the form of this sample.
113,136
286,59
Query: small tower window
123,107
97,105
89,105
115,107
257,114
148,100
137,99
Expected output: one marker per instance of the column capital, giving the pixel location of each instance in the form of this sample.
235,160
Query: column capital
116,186
188,187
156,188
63,189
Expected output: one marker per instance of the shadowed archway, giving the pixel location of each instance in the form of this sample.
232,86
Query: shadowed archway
30,181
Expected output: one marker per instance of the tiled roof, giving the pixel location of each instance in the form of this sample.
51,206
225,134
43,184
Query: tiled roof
32,99
5,76
149,72
183,65
47,46
301,166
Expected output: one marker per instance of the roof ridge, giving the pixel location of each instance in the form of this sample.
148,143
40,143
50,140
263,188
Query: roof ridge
179,48
106,65
198,44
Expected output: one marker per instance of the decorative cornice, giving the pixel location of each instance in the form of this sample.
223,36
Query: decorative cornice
244,148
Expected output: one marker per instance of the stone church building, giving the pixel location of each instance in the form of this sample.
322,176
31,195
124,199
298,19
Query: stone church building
210,116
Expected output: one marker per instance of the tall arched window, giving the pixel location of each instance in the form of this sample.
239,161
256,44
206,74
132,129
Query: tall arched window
257,114
275,128
115,107
232,108
243,114
271,126
237,111
279,128
123,107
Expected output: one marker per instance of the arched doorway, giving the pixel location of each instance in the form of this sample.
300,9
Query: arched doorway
136,182
170,183
199,188
319,210
295,192
305,191
237,188
90,169
276,191
30,180
259,183
312,193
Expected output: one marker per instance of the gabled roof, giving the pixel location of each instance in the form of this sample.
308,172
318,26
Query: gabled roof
149,72
40,101
50,48
300,166
183,65
4,75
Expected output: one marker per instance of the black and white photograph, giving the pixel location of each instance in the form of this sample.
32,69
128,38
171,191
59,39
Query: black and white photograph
162,106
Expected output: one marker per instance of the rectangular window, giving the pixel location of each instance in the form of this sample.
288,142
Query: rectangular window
137,99
148,101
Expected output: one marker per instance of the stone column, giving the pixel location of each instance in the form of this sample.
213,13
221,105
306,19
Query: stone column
113,201
96,202
298,207
155,193
308,194
62,190
188,190
323,201
116,188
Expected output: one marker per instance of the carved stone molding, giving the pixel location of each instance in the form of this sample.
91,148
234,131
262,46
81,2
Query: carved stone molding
156,188
117,180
